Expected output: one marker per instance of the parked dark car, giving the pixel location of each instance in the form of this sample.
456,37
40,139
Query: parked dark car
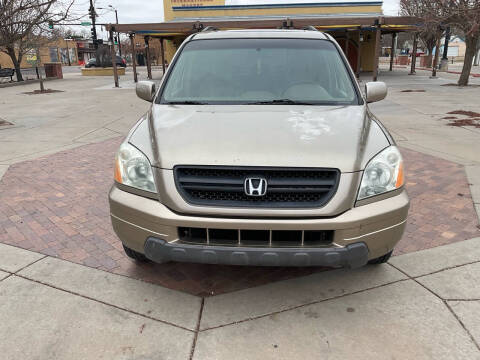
93,62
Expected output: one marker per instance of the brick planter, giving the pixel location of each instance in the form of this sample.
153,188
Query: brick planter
102,71
402,60
424,61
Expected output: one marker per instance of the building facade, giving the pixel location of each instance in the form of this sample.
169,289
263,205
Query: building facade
63,51
207,10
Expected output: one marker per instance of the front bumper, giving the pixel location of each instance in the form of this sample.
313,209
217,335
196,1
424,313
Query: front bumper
362,233
352,256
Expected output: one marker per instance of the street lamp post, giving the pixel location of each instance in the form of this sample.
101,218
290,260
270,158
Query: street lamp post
118,34
111,8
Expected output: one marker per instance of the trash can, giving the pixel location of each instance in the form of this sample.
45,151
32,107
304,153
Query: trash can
53,70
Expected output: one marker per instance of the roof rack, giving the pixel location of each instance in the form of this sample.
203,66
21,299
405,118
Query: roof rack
209,28
310,28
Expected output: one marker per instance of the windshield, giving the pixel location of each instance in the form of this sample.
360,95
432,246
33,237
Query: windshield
259,71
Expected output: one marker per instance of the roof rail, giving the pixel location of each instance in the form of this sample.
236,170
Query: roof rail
209,28
310,28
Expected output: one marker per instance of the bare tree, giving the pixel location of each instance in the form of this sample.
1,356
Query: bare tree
465,16
432,15
22,21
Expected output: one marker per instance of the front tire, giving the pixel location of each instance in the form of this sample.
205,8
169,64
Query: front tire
135,255
382,259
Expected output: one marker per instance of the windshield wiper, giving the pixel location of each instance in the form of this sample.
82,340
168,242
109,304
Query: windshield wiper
188,102
280,102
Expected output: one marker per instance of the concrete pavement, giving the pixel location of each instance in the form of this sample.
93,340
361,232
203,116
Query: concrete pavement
423,305
87,110
414,113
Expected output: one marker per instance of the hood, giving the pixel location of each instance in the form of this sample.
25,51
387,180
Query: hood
342,137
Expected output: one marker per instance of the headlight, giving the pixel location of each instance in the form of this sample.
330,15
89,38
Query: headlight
132,168
383,173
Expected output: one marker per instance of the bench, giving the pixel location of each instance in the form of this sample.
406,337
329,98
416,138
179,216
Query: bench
7,73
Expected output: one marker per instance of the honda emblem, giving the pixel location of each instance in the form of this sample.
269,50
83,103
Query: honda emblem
255,186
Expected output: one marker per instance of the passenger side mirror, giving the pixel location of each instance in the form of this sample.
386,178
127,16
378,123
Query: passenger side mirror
375,91
146,90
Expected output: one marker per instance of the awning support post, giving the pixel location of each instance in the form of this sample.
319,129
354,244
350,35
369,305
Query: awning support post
393,50
347,44
376,55
163,55
147,53
114,58
359,52
134,56
414,54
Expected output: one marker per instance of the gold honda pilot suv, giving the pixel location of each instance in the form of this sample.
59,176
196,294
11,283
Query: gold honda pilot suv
259,149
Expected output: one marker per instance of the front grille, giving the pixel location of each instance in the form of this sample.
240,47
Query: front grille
286,187
255,238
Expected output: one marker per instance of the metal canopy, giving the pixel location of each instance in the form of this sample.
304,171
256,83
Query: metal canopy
165,30
176,28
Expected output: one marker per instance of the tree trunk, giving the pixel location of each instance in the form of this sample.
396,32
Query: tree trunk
16,62
430,55
471,43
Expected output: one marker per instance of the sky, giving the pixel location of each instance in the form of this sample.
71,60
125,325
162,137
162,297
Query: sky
146,11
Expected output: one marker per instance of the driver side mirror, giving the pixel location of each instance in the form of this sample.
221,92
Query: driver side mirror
146,90
375,91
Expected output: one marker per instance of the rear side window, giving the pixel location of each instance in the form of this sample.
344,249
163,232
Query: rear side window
243,71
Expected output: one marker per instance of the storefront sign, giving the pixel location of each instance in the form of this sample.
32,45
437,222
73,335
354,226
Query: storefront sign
285,2
189,3
203,3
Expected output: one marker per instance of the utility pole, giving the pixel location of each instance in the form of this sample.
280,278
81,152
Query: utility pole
118,35
94,30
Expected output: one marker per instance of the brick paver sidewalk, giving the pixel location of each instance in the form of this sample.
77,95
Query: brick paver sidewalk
57,205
